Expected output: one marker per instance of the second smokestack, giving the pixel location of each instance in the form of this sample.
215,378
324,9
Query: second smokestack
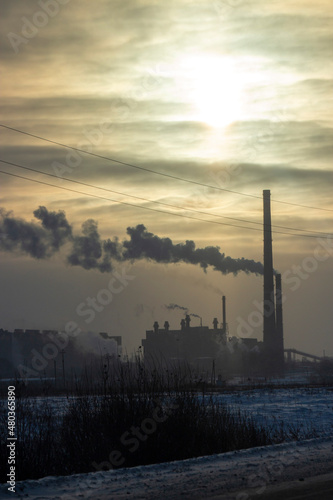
279,318
224,317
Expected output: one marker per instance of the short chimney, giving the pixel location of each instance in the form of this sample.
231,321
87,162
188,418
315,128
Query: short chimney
166,326
156,325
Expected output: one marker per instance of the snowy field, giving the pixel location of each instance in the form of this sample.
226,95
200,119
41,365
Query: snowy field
302,408
307,409
239,475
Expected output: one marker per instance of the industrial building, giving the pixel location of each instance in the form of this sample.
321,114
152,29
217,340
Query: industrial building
40,354
210,352
209,348
190,343
196,344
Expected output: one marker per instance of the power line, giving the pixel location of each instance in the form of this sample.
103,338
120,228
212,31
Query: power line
149,208
156,202
131,165
125,194
125,203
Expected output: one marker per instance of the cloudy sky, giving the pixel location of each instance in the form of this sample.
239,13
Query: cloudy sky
214,101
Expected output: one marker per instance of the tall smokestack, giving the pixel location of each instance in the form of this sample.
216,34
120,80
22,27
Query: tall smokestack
224,321
269,308
279,318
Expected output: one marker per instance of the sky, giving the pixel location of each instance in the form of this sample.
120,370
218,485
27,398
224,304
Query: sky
203,105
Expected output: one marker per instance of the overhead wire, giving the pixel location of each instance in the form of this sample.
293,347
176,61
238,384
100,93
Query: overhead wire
154,201
150,208
132,165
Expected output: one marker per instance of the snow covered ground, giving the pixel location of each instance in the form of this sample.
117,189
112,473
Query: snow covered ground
303,408
239,475
306,409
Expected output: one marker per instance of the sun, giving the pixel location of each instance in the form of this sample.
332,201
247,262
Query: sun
214,90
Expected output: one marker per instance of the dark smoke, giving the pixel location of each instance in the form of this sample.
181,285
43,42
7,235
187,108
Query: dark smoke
56,224
37,241
89,251
145,245
172,307
195,316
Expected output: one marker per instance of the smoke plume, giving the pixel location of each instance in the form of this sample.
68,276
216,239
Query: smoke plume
172,307
37,241
97,344
56,224
89,251
145,245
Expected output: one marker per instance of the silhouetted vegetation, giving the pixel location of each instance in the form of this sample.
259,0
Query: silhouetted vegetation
134,415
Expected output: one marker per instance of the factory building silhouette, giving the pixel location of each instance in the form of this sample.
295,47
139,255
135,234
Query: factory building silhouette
213,347
190,343
203,345
40,354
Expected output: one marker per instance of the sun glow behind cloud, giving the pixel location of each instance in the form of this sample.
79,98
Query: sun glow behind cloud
213,88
